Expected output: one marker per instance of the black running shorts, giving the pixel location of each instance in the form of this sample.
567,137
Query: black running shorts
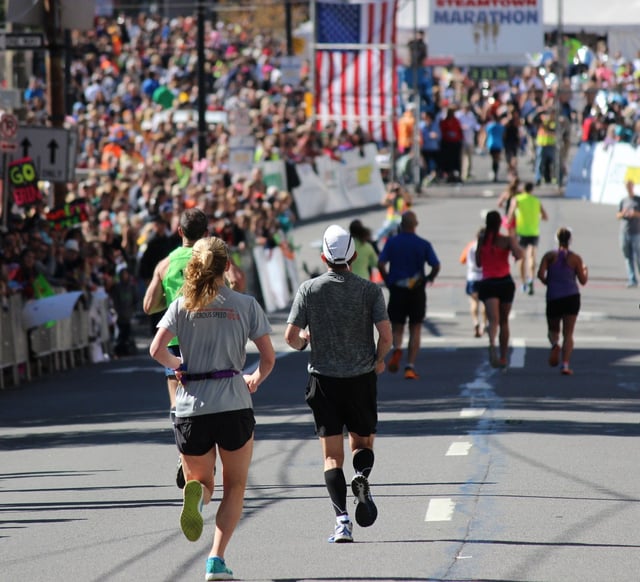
340,402
502,289
557,308
528,241
407,304
197,435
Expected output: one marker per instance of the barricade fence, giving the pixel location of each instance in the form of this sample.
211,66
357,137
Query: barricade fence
65,330
52,334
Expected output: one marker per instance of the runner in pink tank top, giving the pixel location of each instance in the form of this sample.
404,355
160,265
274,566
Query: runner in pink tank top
496,290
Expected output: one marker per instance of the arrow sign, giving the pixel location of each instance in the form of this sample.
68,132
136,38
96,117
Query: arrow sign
52,146
52,150
26,145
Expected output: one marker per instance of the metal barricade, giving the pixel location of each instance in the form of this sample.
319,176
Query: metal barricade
79,334
14,353
42,340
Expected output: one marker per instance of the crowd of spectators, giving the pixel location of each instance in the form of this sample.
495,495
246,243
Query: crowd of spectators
597,99
140,168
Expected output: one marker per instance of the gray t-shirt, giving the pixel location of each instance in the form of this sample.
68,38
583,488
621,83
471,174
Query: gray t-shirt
215,338
340,309
630,225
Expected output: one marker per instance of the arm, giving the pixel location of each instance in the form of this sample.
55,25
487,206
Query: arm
582,273
542,270
543,213
235,278
154,299
385,341
382,267
503,198
465,252
431,277
159,352
296,337
267,362
516,249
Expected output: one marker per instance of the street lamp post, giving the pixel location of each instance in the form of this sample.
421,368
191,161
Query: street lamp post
558,104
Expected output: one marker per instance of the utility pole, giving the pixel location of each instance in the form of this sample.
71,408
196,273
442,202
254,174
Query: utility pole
202,86
288,26
558,103
55,77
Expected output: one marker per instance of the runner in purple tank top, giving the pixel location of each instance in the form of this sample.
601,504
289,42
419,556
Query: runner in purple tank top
561,270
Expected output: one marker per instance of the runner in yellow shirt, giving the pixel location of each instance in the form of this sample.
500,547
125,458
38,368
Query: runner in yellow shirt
528,212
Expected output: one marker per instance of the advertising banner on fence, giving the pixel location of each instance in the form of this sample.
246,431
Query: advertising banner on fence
486,32
599,172
353,182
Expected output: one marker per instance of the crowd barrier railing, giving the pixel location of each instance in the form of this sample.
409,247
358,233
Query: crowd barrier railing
55,345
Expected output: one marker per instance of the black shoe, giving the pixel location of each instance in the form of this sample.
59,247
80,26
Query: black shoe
530,287
180,482
366,510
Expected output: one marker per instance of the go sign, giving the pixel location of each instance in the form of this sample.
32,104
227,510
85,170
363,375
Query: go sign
22,172
24,182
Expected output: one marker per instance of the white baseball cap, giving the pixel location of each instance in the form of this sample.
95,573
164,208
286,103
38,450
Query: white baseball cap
338,246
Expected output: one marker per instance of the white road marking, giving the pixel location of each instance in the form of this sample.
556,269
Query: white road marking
441,315
458,449
440,509
472,412
592,315
518,353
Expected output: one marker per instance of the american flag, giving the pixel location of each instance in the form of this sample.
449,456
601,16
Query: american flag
356,85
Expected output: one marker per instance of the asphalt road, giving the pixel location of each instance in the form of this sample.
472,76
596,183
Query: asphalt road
480,475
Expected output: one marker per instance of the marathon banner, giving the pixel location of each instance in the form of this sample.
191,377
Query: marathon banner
486,32
69,215
23,179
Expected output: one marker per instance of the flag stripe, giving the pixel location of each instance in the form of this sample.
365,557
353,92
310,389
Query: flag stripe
357,87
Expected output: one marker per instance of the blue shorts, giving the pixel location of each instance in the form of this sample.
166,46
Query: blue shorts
472,287
175,350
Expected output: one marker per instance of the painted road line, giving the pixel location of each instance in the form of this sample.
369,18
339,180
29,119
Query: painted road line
472,412
441,315
597,339
518,353
440,509
458,449
592,316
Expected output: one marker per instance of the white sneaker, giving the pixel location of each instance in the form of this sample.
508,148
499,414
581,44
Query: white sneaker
342,533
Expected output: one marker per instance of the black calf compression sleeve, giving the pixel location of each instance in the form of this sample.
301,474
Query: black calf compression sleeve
363,461
337,487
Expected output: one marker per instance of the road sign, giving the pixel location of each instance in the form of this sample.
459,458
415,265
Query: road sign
10,98
8,126
51,151
21,41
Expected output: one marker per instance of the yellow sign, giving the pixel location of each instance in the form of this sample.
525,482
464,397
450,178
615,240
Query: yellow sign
633,174
364,175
